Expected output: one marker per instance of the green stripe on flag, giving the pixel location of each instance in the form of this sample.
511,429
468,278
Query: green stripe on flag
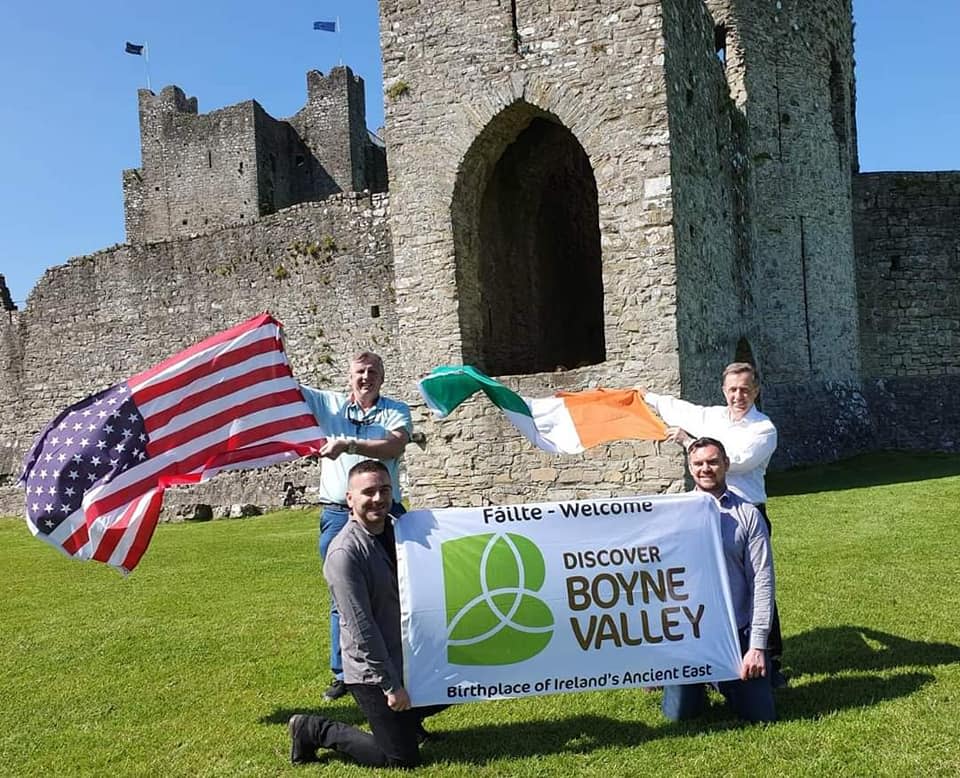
446,387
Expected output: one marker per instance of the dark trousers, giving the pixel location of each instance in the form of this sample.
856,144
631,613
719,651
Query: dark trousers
775,638
392,740
751,700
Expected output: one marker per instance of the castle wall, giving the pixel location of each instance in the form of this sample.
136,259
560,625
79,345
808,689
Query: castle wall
201,172
708,188
323,269
790,65
463,83
559,171
11,390
907,230
907,233
286,170
790,69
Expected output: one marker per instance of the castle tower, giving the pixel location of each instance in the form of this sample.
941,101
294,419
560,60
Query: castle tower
790,68
532,154
333,126
576,196
200,172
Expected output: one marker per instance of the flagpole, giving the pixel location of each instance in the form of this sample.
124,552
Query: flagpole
339,43
146,64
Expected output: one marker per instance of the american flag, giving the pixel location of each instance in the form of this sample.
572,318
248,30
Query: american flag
95,476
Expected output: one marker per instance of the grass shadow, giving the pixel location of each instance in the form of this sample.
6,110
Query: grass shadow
831,650
875,469
582,734
516,740
486,743
482,744
811,700
831,695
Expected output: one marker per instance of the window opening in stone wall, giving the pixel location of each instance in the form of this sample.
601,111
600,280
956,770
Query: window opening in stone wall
209,158
720,43
838,107
744,353
514,27
527,239
374,311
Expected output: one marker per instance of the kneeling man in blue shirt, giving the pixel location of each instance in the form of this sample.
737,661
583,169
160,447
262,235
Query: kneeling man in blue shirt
746,548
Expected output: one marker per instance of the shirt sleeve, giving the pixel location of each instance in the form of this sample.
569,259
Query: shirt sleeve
348,585
752,450
397,417
316,400
679,413
759,564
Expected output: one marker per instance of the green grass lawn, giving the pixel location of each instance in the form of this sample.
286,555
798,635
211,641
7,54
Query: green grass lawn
192,665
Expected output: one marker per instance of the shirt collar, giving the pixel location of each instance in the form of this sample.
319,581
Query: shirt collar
724,499
352,403
748,416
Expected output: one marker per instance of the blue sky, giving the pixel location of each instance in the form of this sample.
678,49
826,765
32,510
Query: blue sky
69,118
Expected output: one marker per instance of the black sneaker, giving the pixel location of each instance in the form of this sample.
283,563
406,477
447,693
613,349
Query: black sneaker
337,689
302,749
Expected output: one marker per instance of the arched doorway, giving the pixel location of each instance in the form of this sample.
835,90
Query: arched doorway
527,242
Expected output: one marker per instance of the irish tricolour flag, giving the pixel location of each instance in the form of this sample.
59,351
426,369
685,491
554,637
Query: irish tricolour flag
566,423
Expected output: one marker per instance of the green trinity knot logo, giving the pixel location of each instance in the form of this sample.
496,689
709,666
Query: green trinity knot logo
492,616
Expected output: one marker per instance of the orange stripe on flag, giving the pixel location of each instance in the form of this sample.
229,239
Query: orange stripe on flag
604,415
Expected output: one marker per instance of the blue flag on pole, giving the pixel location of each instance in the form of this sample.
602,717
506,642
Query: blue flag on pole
134,48
325,26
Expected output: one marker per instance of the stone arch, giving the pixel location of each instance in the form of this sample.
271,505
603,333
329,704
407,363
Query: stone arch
526,235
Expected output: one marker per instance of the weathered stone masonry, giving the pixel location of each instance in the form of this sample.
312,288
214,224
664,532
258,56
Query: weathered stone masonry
323,269
581,194
907,232
236,164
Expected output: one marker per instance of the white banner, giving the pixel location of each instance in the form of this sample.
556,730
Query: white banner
511,601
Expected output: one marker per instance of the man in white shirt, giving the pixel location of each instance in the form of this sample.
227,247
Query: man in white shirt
749,438
748,435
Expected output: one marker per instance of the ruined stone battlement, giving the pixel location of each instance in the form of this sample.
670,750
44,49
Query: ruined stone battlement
200,172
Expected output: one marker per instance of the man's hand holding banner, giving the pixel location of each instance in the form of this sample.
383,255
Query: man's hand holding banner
513,601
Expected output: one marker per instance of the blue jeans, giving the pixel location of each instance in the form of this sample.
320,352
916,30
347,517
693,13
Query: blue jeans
751,700
333,518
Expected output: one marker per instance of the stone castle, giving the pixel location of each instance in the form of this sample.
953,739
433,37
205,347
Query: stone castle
580,194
